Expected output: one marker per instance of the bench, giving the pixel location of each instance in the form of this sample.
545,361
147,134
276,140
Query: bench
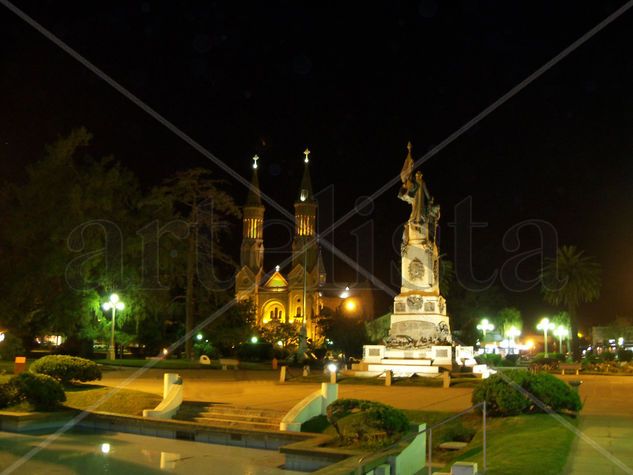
569,367
226,362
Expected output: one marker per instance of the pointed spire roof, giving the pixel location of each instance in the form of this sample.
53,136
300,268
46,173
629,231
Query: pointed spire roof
305,193
254,196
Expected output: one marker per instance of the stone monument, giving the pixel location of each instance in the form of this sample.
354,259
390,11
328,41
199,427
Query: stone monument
419,340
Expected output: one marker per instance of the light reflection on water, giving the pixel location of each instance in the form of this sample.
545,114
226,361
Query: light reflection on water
94,453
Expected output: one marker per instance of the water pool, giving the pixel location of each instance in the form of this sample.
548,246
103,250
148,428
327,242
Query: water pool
114,453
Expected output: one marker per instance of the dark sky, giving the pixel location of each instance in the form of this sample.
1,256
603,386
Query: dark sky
354,82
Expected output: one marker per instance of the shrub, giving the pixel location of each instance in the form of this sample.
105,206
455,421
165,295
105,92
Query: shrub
607,356
255,351
8,395
75,346
625,355
67,368
511,360
204,348
503,399
555,393
368,422
491,359
41,391
458,433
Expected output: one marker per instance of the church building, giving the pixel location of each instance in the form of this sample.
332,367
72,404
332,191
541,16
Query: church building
295,296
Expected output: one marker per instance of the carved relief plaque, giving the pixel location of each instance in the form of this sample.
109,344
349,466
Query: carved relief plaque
414,302
416,269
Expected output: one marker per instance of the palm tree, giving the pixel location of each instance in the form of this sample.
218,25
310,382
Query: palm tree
572,278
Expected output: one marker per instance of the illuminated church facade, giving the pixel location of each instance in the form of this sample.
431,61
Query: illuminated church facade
294,297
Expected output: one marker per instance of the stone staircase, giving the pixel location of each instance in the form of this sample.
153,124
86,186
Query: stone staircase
225,415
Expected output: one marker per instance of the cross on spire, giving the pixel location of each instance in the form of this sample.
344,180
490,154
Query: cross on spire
255,158
307,154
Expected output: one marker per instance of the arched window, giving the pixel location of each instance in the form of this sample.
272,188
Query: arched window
273,310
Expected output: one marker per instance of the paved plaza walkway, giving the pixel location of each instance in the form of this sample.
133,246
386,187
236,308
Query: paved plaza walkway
607,419
261,389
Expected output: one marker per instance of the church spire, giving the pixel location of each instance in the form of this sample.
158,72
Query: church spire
253,198
252,250
304,248
305,193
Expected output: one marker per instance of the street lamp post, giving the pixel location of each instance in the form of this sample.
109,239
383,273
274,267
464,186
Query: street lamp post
545,325
485,326
513,332
561,332
113,304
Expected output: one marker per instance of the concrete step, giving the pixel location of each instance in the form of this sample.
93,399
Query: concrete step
409,369
240,417
402,361
221,415
242,411
238,424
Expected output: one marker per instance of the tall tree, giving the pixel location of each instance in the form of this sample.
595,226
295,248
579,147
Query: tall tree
63,239
468,307
198,199
569,280
509,317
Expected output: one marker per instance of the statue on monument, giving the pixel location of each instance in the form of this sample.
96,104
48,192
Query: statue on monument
412,190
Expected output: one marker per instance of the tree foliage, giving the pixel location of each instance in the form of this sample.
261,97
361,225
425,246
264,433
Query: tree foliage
347,334
507,318
78,228
198,200
569,280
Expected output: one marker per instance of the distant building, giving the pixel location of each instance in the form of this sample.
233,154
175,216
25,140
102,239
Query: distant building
293,297
611,335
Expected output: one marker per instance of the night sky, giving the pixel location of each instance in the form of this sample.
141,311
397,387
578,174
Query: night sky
354,82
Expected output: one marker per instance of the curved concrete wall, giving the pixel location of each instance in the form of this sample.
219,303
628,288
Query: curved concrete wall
311,406
172,398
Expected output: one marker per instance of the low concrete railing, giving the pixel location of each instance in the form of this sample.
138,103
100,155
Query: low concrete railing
311,406
172,398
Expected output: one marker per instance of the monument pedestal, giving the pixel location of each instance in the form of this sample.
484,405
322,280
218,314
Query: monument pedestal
419,341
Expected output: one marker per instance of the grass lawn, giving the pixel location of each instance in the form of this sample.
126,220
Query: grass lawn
519,445
535,443
120,401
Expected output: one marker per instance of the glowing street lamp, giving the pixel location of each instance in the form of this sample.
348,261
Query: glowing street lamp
561,332
113,304
512,333
485,326
545,325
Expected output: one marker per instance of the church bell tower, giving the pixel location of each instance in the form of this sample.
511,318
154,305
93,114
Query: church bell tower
252,249
304,246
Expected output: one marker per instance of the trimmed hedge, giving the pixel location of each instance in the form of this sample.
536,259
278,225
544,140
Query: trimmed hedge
370,420
9,395
502,399
41,391
66,368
